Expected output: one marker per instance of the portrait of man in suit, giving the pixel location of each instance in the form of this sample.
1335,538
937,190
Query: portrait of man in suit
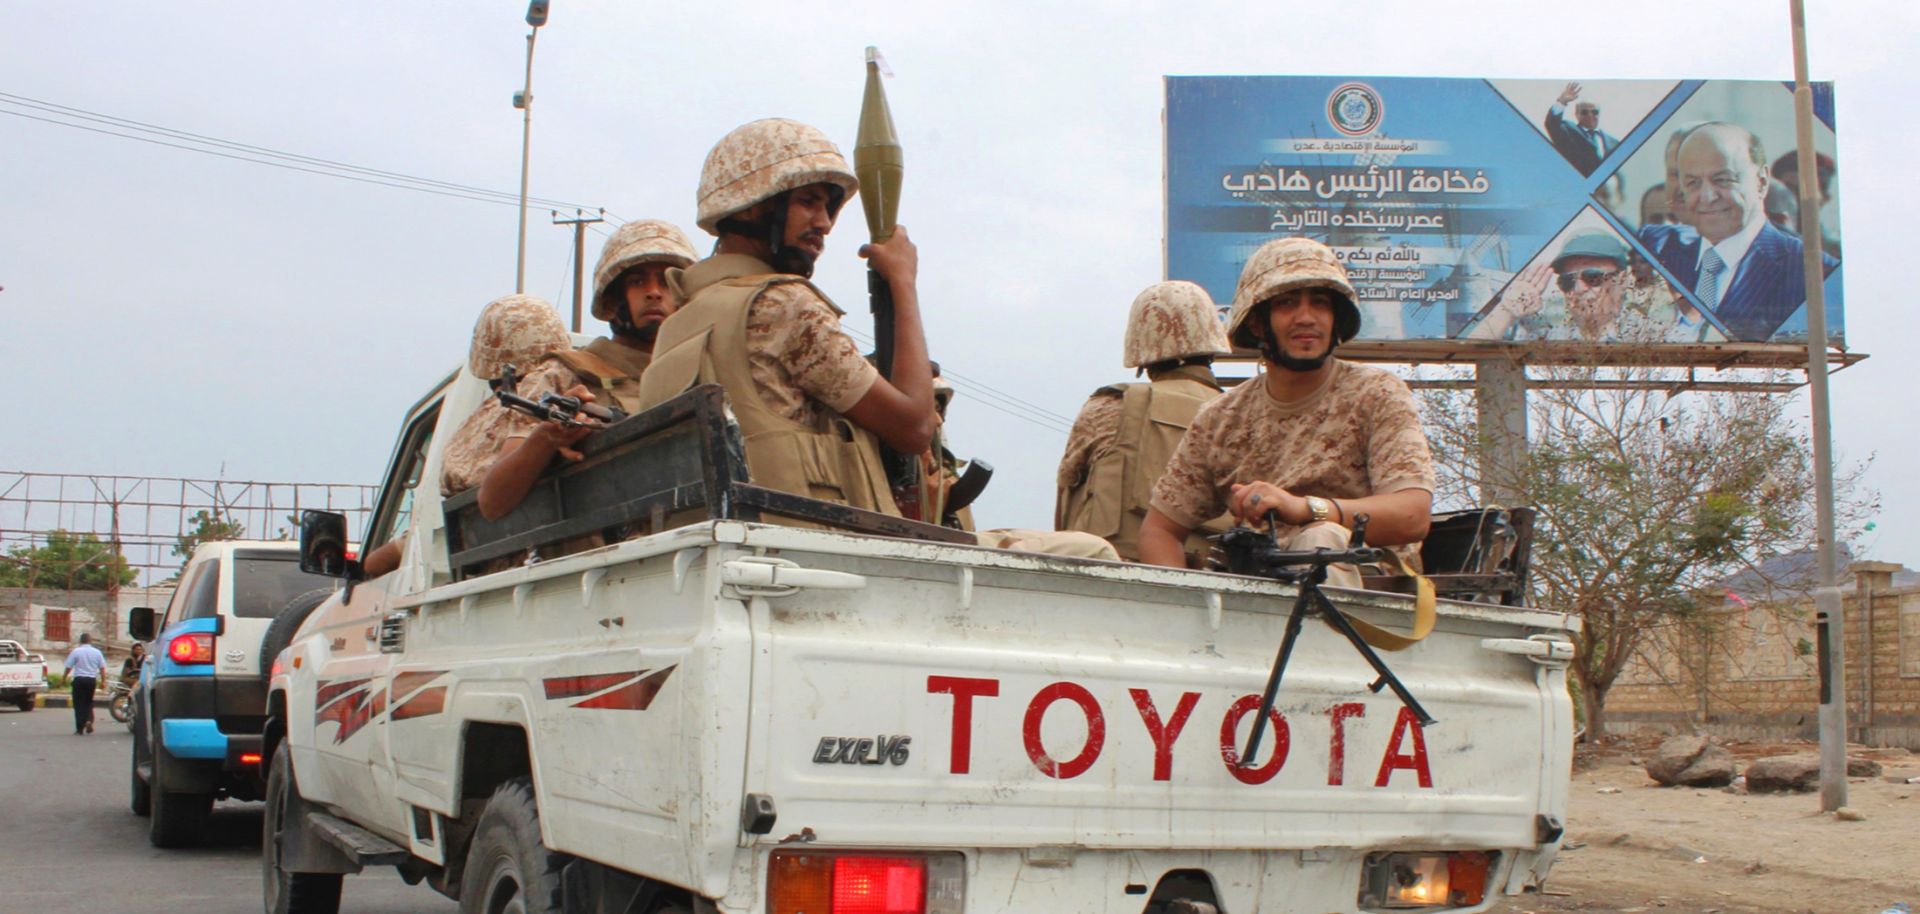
1740,265
1580,140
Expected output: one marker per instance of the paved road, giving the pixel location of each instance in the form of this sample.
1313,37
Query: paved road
69,843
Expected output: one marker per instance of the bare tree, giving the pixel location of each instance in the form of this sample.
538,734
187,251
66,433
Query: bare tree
1648,497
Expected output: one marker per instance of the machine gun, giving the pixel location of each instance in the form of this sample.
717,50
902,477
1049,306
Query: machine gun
1255,552
551,407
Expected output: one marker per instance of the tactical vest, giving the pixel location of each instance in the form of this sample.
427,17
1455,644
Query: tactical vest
705,342
612,375
1111,497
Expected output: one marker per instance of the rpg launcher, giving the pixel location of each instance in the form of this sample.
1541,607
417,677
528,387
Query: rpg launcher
551,407
880,166
1246,550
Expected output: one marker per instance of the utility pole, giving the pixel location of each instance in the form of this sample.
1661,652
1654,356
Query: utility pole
580,221
523,100
1829,618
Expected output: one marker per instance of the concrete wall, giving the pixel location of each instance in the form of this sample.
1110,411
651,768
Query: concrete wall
1751,672
23,617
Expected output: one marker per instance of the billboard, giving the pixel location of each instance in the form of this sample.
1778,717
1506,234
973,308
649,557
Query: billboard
1627,212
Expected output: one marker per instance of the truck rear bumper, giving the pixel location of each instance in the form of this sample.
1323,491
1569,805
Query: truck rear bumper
210,730
191,738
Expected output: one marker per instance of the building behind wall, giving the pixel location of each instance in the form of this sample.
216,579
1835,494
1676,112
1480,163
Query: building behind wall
1750,671
50,622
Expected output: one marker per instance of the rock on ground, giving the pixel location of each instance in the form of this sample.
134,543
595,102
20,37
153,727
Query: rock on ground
1784,774
1691,761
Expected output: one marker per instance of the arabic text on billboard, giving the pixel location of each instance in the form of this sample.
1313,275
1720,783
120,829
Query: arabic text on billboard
1512,210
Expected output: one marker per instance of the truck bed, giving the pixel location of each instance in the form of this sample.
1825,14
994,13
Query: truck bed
1072,725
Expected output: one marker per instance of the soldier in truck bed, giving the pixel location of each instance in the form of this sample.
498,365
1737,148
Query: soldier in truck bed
503,451
1313,439
630,293
523,331
1126,432
811,409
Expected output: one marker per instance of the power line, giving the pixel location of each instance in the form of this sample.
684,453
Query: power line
259,155
993,398
112,120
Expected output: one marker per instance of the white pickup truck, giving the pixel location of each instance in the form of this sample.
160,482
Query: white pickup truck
22,675
734,716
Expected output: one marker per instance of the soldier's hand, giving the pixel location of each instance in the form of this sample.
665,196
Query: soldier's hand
895,258
563,437
1251,502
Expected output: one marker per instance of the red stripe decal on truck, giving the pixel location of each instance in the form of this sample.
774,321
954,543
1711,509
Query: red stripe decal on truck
425,704
327,692
633,697
575,686
407,682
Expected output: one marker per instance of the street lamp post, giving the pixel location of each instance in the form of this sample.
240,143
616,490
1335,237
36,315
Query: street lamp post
523,100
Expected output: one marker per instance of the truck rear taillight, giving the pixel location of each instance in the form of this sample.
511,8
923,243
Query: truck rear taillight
1401,882
196,647
830,882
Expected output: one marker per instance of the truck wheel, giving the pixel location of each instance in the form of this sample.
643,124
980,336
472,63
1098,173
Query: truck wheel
289,893
24,704
178,819
508,870
141,792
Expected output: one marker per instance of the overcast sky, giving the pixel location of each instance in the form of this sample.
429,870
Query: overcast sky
171,313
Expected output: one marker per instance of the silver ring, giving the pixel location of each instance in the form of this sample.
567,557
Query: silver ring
1256,500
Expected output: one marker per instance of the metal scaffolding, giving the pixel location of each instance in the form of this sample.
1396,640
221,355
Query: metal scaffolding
146,517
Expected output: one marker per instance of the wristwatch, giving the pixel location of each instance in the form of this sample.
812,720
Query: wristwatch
1319,507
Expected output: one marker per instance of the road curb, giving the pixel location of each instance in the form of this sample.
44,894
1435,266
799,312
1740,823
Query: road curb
60,700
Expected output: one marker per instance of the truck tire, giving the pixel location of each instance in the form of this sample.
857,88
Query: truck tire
178,819
24,704
289,893
141,793
508,870
286,622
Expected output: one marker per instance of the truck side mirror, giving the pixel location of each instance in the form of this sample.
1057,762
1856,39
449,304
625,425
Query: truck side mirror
323,545
140,623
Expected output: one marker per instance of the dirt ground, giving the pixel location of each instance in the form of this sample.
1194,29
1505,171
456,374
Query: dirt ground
1634,846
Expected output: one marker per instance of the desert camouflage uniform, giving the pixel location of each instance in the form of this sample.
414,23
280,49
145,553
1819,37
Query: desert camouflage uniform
1092,434
803,365
481,439
1358,435
1125,433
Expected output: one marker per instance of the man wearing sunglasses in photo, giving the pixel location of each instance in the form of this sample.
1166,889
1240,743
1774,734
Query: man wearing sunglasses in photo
1592,275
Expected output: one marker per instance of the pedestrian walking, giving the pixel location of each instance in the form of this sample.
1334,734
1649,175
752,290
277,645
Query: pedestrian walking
85,665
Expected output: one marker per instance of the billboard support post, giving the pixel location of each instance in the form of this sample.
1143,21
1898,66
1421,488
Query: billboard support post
1829,619
1500,394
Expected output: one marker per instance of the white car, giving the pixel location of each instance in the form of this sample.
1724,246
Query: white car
202,697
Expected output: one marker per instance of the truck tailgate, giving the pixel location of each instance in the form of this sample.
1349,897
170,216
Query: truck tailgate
1027,702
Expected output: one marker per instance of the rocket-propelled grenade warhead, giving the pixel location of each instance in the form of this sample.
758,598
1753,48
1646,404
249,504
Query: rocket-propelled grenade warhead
877,159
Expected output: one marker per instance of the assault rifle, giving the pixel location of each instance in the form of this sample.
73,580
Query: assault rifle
1255,552
551,407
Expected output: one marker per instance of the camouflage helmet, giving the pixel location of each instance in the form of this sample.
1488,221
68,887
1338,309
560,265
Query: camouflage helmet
517,330
763,159
1286,264
1173,320
632,244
